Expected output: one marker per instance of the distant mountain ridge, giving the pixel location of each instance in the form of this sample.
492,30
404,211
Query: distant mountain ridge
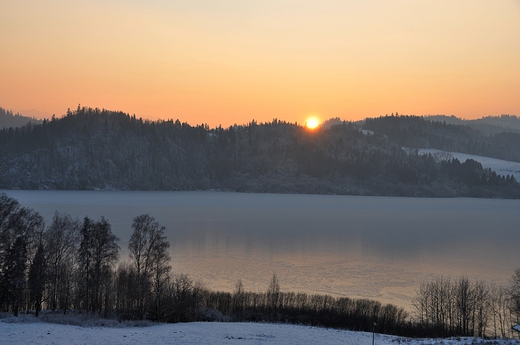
488,125
100,149
8,119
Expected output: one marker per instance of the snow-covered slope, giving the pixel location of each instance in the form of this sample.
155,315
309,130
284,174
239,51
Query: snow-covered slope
501,167
40,333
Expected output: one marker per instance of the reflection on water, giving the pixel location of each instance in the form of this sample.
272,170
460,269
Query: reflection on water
370,247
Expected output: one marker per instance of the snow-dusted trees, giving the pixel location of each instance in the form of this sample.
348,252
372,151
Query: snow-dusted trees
98,252
149,254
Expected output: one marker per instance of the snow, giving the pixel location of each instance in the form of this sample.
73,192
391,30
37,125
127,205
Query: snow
501,167
215,333
517,327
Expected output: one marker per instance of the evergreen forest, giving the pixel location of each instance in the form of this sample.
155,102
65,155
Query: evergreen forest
91,149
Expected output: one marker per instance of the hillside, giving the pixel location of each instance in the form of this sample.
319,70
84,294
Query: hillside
99,149
489,125
8,119
422,133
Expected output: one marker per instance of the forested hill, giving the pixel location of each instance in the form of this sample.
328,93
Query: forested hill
488,125
8,119
99,149
418,132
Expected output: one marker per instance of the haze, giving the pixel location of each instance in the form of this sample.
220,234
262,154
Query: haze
226,62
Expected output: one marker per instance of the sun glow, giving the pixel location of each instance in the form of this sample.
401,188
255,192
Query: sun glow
312,122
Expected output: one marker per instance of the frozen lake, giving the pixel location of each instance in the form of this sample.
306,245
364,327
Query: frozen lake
362,247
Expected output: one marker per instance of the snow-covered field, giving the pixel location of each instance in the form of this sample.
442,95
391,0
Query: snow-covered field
215,333
501,167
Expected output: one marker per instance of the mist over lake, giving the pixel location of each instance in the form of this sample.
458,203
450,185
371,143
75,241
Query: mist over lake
362,247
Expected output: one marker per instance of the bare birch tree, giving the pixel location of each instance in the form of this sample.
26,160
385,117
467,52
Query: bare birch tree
149,254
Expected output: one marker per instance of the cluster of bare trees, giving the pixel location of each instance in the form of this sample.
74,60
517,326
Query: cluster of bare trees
144,282
461,307
71,264
275,305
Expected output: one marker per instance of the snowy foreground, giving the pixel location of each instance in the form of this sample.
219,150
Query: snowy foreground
216,333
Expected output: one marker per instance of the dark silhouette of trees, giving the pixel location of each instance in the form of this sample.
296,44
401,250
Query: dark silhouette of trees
14,277
98,252
10,120
149,254
459,308
515,293
37,279
273,293
61,243
20,228
96,148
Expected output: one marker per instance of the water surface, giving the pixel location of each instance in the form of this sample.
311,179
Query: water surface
363,247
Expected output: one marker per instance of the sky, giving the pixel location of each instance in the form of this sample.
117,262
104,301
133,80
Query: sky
231,61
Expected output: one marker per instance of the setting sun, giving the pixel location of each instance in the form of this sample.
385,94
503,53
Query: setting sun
312,122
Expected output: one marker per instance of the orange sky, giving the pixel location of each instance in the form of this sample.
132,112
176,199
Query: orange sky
231,61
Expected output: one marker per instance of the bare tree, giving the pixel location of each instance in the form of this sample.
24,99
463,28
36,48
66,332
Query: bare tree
98,252
515,294
238,298
464,299
37,278
149,254
273,292
481,309
434,304
17,221
61,244
126,290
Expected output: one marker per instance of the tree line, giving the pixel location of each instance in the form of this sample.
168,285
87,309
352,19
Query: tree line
8,119
461,307
73,265
420,132
100,149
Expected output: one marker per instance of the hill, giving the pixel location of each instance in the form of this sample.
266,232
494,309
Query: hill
8,119
100,149
489,125
422,133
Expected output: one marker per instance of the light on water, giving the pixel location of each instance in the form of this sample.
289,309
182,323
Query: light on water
362,247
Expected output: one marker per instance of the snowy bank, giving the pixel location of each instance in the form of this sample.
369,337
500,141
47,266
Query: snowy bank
215,333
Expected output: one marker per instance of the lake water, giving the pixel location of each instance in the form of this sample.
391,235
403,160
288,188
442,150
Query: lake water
363,247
